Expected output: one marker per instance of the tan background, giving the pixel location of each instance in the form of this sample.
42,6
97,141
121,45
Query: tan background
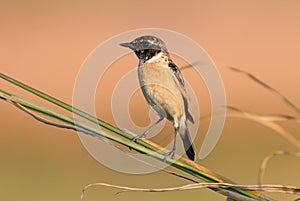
44,44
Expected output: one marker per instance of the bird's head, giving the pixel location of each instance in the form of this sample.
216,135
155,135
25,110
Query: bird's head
146,47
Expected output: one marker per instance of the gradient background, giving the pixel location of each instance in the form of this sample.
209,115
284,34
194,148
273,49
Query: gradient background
43,44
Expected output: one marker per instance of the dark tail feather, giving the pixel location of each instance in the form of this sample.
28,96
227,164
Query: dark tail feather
187,143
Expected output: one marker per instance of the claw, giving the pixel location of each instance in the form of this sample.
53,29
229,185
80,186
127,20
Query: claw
135,138
170,154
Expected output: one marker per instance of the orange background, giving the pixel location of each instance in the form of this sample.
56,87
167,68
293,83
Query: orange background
43,44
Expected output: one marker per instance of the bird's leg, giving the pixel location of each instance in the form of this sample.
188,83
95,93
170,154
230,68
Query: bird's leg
144,134
172,152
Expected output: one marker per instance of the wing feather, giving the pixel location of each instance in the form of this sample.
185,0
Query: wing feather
180,80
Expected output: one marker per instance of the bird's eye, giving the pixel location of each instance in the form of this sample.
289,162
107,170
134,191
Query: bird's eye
145,43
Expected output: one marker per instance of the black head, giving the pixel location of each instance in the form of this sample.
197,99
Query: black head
146,47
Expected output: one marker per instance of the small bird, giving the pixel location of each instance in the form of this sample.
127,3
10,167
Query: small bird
163,87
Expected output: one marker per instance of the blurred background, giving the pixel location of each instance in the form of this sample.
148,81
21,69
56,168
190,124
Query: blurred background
44,44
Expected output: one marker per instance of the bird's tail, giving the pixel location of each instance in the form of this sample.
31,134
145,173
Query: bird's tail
186,139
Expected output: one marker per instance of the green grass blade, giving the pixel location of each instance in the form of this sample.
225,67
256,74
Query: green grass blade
142,147
72,109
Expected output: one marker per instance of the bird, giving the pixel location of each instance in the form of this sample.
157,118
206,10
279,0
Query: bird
163,87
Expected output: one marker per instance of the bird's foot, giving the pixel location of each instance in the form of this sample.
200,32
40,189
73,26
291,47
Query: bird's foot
170,154
137,137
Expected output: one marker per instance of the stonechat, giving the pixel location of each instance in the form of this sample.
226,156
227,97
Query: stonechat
163,87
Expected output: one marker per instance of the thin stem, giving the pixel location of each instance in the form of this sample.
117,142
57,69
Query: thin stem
142,147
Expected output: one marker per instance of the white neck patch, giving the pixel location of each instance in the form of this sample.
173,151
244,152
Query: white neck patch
156,57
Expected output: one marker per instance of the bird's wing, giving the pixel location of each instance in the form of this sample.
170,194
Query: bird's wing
179,79
177,73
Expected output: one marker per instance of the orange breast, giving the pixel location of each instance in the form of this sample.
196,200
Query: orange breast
161,90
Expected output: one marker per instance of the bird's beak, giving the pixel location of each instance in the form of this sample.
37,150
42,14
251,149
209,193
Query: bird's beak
129,45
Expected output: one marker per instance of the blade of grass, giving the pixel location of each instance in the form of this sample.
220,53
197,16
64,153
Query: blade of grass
182,164
268,121
267,86
66,106
98,133
269,157
263,187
